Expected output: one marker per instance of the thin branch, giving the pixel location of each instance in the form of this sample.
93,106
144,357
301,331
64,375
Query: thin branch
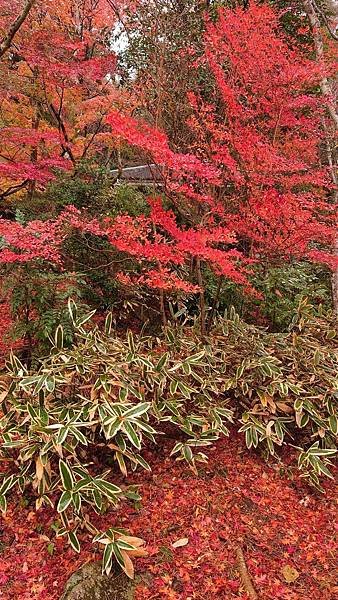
245,577
14,28
62,129
325,19
13,189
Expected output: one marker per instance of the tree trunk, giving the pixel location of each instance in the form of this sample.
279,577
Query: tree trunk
14,28
330,13
202,297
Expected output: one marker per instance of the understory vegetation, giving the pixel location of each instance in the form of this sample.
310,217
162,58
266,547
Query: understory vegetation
110,396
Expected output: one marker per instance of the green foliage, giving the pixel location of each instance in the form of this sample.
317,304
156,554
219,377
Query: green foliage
284,287
39,304
87,188
127,199
108,396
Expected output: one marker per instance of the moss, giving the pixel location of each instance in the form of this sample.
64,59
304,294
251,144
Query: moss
88,583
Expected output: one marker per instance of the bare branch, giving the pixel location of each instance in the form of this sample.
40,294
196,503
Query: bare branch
245,577
332,33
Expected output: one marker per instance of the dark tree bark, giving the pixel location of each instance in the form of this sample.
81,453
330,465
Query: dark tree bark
14,28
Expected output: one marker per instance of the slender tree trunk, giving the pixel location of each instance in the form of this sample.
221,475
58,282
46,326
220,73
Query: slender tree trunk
328,94
202,297
215,302
162,307
14,28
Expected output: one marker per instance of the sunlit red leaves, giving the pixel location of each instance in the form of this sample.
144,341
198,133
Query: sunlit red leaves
62,59
257,141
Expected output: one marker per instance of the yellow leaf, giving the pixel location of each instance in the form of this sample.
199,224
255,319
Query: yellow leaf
181,542
138,553
134,541
284,407
290,574
128,565
39,468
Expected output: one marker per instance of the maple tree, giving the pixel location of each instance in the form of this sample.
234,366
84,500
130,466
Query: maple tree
56,90
15,26
257,139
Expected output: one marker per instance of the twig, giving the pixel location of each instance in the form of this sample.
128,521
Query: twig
245,577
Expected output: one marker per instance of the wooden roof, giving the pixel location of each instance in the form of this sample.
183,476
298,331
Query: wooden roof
139,174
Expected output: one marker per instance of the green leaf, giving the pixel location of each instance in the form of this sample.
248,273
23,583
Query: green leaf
145,427
108,489
79,435
59,337
123,393
173,387
143,462
333,424
239,371
50,383
248,438
72,309
77,501
82,320
114,426
73,540
186,368
32,412
62,435
304,420
132,435
131,344
107,558
66,475
82,484
50,548
162,362
97,499
118,554
254,435
7,484
322,451
298,405
108,323
323,469
195,358
184,390
137,411
3,503
65,500
187,453
125,545
279,431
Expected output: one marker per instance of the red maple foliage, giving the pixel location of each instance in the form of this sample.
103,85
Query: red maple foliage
251,189
255,164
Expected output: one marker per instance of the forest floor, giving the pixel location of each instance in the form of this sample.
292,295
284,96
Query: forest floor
288,534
